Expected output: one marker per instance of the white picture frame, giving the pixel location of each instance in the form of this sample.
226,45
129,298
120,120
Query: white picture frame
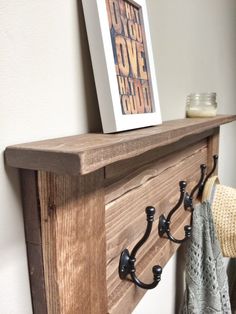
115,108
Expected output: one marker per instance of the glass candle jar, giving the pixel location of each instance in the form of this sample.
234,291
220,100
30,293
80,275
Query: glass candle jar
201,105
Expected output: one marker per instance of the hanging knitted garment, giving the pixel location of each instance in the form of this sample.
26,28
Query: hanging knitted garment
206,279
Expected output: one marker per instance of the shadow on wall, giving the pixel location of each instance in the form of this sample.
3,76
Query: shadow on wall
232,283
13,231
13,179
93,115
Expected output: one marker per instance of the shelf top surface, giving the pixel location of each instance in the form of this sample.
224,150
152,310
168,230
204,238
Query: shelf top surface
82,154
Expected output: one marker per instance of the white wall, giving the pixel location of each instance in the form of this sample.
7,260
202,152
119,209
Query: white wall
194,42
47,90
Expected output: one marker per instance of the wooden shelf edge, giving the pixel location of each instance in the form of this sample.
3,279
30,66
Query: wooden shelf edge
86,153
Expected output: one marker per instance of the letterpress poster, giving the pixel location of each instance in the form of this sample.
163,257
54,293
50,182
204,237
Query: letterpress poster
130,56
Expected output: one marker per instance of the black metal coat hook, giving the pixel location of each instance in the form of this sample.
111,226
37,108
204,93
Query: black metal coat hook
203,178
127,260
164,223
215,162
200,183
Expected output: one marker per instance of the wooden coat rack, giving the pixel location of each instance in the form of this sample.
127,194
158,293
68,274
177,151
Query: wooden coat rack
84,199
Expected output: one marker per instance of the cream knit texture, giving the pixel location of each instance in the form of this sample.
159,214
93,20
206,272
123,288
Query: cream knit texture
224,214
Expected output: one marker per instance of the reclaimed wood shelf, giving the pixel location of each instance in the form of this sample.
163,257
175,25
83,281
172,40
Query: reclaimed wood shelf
84,200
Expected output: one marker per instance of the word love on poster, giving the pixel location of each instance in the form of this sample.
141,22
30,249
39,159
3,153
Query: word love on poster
123,63
130,56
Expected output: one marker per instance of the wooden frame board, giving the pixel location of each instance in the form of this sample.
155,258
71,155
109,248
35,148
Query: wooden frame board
77,223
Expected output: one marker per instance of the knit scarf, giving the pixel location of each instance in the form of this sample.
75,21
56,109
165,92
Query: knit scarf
206,279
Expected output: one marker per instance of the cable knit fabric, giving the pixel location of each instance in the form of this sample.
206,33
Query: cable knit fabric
206,279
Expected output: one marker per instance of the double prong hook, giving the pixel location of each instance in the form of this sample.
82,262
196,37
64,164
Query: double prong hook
203,178
164,223
128,260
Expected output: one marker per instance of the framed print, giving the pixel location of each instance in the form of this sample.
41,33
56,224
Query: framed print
123,65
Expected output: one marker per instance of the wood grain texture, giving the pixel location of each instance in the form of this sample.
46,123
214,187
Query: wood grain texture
154,184
31,211
147,172
121,168
86,153
73,237
77,225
